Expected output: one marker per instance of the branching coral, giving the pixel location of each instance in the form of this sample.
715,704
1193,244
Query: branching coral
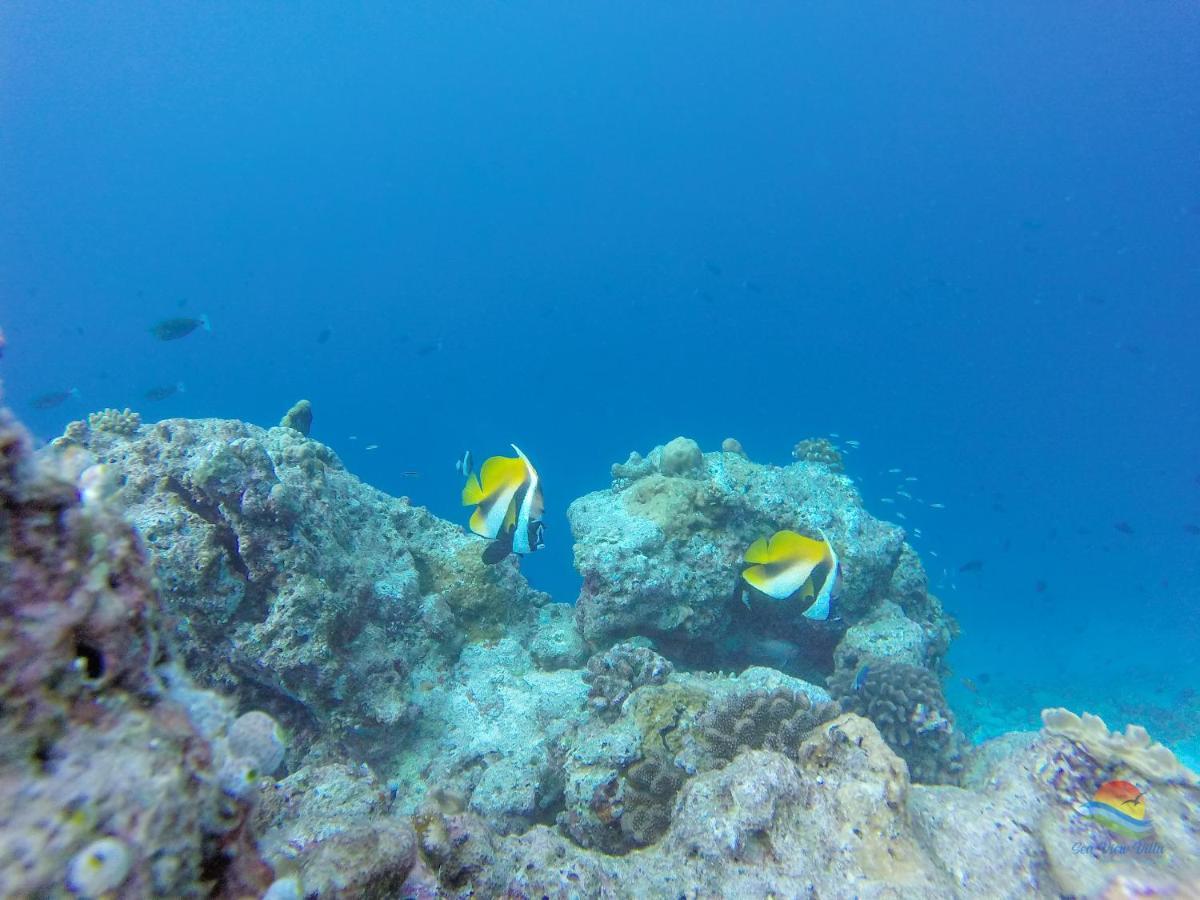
907,706
761,720
115,420
618,672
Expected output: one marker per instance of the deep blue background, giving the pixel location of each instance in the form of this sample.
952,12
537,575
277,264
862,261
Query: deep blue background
966,235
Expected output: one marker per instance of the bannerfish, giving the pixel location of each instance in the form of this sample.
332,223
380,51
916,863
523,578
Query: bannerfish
507,496
164,391
860,678
791,566
179,327
54,398
465,466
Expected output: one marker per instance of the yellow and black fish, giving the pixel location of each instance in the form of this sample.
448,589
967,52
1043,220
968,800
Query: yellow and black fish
790,566
507,496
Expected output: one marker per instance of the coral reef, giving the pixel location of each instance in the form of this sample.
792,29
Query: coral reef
617,672
107,779
291,584
115,421
760,720
661,554
732,445
330,827
840,819
650,788
906,703
821,452
299,417
256,737
680,456
1133,749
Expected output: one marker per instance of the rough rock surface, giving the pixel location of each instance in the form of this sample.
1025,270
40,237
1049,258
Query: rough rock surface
660,553
100,740
331,826
844,821
293,585
443,736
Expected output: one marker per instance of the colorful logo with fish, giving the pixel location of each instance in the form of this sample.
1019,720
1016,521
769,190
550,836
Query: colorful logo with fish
1120,808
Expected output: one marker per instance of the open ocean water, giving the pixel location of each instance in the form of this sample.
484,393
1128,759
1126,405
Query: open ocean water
965,236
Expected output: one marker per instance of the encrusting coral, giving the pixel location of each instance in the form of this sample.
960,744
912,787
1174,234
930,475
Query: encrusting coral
907,706
649,793
760,720
614,674
1133,748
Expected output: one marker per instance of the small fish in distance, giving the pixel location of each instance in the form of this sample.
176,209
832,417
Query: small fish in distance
178,327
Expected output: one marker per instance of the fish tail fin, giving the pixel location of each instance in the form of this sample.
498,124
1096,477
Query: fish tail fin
205,322
74,392
472,492
181,387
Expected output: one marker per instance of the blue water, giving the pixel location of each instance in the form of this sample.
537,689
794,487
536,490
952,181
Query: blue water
965,235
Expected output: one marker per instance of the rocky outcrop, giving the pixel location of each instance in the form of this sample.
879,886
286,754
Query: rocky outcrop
113,766
292,585
660,554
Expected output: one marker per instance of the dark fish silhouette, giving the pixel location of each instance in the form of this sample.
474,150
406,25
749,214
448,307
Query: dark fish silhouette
712,268
178,327
324,335
1040,586
1124,527
1192,529
163,391
54,398
973,565
429,348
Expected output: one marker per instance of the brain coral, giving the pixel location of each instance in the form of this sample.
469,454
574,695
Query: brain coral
761,720
617,672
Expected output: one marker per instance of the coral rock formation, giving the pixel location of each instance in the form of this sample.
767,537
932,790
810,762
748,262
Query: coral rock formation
761,720
106,780
906,703
295,586
614,674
